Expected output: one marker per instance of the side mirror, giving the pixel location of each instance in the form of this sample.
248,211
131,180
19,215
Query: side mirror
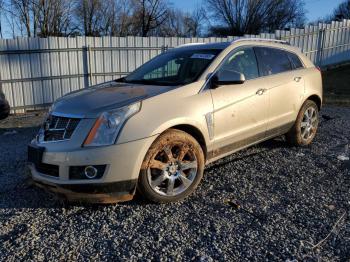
227,77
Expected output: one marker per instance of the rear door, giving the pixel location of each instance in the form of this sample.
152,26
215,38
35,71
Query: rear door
285,86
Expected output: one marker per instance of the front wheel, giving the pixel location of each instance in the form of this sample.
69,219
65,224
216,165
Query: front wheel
305,127
172,168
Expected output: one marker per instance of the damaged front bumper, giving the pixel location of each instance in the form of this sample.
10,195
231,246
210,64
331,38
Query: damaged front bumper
59,171
93,193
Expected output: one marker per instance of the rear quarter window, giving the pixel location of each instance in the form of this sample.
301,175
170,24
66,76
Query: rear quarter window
295,61
272,61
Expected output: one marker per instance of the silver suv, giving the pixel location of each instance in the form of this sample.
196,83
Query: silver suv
156,129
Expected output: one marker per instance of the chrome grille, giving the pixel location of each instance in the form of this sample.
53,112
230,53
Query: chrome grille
57,128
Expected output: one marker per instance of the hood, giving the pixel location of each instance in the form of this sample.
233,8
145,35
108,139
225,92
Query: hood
92,101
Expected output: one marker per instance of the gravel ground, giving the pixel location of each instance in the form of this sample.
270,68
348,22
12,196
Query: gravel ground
294,205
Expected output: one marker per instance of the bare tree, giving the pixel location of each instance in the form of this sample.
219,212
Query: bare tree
182,24
52,17
21,10
117,17
89,15
342,11
12,18
39,17
173,25
148,15
16,16
123,24
238,17
104,17
193,22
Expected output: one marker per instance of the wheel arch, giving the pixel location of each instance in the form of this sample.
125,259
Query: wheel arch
316,99
196,133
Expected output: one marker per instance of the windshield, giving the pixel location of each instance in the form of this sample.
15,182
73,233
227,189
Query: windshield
173,68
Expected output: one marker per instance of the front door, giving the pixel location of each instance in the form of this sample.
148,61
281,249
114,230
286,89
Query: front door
240,110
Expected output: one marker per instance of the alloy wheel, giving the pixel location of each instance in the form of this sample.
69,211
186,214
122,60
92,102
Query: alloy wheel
173,169
309,123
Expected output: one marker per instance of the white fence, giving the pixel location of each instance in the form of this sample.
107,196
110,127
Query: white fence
36,71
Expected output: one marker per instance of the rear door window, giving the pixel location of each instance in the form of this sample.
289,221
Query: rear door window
272,61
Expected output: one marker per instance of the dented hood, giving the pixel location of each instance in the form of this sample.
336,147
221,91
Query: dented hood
91,102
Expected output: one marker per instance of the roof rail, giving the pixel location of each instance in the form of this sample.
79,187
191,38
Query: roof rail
261,40
189,44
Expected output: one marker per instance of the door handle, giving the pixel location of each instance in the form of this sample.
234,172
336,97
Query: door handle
261,91
297,79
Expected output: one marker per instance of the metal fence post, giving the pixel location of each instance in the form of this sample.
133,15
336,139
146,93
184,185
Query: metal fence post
85,66
89,66
320,46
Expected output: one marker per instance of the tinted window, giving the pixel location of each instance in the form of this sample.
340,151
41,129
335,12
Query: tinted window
294,59
272,61
242,61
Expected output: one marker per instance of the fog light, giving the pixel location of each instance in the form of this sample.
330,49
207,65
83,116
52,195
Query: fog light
90,172
86,172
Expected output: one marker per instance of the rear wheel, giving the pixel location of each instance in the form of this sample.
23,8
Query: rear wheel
172,168
305,127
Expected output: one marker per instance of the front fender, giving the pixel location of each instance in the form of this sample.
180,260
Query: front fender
178,107
184,122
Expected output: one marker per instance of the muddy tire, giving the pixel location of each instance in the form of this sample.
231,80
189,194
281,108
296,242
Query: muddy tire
305,127
172,169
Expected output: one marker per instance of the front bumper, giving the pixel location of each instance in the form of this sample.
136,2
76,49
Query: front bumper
93,193
118,183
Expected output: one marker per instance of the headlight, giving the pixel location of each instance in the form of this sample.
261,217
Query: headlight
108,125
